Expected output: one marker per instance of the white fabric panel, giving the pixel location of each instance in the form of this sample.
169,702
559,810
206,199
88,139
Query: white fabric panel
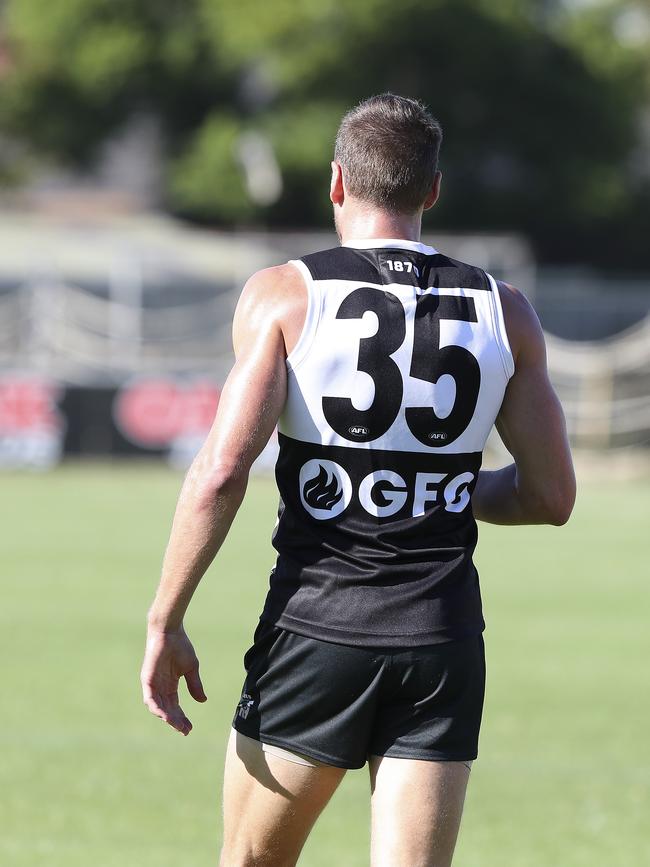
324,363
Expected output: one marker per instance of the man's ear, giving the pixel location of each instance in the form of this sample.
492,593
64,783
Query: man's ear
337,191
432,198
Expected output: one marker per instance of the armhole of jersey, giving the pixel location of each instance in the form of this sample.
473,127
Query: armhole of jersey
312,316
499,325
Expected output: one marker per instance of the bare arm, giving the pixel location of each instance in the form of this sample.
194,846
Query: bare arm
539,487
214,487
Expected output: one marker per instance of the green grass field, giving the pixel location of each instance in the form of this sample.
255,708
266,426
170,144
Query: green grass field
89,779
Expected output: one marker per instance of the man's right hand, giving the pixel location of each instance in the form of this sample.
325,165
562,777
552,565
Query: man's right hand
168,657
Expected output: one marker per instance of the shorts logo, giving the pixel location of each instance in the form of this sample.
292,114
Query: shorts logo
246,702
325,489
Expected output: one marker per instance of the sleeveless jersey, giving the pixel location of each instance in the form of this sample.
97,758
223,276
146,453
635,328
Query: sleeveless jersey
393,388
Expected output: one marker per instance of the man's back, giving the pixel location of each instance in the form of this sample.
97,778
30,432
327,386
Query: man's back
393,387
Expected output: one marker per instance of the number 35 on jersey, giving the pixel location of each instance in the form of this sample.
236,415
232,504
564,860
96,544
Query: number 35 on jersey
429,362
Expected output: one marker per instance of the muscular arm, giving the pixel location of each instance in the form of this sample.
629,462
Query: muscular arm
539,487
214,487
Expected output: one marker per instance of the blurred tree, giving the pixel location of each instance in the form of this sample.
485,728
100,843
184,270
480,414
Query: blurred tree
541,104
81,68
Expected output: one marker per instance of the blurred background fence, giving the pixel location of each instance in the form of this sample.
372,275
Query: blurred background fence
115,336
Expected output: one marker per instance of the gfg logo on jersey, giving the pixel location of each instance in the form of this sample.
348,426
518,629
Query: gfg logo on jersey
326,490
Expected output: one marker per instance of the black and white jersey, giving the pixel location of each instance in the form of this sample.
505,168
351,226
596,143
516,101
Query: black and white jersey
393,388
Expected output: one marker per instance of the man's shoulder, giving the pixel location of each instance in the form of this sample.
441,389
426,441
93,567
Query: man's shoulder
274,296
266,281
522,324
273,286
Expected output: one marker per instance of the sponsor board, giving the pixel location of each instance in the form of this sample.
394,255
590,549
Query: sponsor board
32,426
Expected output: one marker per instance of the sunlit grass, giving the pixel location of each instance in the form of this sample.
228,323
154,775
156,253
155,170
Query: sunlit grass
88,777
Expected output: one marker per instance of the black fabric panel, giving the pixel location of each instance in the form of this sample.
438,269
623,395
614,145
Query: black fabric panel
343,263
372,266
400,579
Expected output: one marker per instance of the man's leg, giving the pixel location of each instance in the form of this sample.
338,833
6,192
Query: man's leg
416,811
270,805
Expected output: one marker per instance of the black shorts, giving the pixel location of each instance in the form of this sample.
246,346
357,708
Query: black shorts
340,704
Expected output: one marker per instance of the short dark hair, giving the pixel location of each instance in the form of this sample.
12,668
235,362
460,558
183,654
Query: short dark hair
388,149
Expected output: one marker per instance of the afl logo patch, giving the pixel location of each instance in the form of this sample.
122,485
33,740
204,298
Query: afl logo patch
325,488
358,430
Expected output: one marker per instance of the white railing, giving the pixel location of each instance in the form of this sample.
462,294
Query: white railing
53,323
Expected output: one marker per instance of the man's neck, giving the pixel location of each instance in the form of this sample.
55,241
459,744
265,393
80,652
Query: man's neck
366,224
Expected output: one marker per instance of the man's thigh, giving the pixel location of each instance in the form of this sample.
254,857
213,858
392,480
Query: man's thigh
270,804
416,811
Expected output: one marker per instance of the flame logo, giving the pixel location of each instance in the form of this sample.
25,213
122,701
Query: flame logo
320,492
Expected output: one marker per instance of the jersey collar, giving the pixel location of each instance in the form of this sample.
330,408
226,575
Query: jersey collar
396,243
